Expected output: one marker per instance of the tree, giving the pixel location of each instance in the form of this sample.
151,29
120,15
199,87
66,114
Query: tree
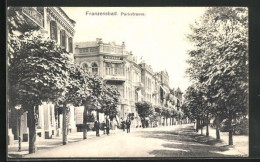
91,102
158,110
219,60
166,114
37,72
144,110
109,101
76,91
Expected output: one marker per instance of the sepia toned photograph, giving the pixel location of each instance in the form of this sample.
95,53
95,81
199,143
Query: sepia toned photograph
127,82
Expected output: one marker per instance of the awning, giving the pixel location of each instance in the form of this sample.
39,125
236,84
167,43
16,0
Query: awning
114,61
164,89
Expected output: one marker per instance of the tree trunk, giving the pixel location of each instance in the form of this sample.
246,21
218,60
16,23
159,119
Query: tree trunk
230,134
217,128
142,121
160,120
32,130
64,125
85,123
207,124
197,125
166,121
201,126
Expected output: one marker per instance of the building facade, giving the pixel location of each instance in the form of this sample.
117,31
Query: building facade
135,81
55,24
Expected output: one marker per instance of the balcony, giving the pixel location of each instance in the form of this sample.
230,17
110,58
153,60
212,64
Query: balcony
34,17
114,74
117,78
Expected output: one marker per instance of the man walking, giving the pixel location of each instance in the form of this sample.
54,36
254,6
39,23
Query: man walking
128,123
96,125
104,127
107,126
123,125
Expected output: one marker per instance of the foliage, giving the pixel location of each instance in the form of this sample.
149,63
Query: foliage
218,65
37,70
144,109
219,58
166,112
95,85
109,101
77,88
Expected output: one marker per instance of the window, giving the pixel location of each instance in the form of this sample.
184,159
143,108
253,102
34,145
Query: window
94,68
91,49
108,68
70,45
136,97
53,31
85,66
63,38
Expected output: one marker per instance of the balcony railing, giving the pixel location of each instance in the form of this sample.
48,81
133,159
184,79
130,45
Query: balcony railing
114,71
34,15
115,78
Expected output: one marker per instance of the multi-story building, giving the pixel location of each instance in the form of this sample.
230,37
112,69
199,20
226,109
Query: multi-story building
117,67
55,24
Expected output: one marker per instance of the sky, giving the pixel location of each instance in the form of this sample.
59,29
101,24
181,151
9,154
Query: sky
159,37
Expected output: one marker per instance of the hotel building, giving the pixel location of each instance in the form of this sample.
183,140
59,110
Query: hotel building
135,81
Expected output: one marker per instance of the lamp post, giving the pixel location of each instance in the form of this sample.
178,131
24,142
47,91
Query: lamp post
18,108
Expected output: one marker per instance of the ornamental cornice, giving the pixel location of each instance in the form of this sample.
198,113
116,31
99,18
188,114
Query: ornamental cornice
61,18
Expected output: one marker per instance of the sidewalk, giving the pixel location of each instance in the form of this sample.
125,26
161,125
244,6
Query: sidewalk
240,142
54,142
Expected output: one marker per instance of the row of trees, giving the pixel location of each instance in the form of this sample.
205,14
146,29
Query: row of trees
218,68
40,71
147,110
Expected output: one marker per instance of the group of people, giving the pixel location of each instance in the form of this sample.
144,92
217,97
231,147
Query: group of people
106,126
126,124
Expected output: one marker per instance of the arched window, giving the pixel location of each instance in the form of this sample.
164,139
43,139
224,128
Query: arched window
53,30
94,68
85,66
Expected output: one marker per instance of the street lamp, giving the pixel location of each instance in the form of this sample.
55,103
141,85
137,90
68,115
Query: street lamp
18,108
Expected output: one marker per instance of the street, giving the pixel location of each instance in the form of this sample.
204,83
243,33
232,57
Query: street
170,141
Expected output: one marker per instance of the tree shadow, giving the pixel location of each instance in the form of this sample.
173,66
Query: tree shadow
185,142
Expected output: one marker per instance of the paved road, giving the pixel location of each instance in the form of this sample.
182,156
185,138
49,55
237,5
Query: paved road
171,141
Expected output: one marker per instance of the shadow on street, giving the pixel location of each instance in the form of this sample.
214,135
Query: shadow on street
185,142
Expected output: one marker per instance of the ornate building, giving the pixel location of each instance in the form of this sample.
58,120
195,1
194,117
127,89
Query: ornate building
118,67
55,24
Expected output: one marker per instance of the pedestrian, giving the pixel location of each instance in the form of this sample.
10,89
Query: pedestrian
96,125
107,126
104,127
128,123
123,125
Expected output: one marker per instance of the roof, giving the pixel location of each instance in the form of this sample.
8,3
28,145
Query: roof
72,21
86,44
